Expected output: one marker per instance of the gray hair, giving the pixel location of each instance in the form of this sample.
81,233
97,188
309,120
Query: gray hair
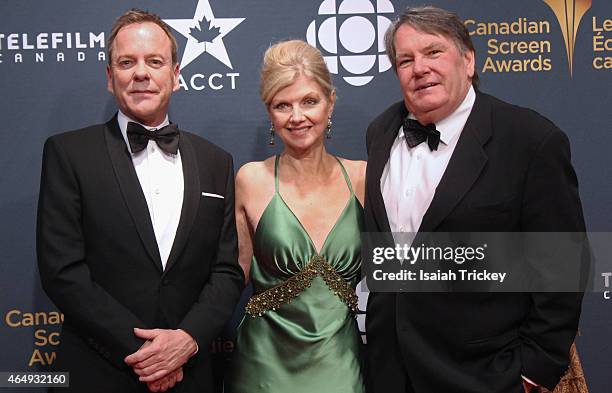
431,20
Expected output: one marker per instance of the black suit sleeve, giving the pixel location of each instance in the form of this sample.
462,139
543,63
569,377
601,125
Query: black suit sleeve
216,302
103,322
551,204
369,133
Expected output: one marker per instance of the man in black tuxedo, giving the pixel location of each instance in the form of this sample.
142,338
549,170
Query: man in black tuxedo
487,166
136,234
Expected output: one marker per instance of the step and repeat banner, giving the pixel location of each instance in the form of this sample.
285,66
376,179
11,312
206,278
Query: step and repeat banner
554,56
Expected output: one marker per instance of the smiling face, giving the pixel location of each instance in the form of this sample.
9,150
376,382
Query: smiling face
299,113
141,75
434,75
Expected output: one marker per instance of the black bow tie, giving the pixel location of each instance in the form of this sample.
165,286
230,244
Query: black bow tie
167,138
416,133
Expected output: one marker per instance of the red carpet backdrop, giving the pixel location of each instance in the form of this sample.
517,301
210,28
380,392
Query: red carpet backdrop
554,56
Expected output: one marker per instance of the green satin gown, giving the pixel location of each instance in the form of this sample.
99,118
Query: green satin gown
311,343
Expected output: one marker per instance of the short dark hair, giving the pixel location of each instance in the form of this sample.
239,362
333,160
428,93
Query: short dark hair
431,20
134,16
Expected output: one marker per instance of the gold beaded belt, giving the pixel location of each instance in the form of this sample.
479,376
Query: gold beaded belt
273,298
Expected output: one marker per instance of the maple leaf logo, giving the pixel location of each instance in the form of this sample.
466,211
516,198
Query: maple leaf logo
205,35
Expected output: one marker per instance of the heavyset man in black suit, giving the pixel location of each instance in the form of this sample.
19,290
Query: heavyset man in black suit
136,233
488,167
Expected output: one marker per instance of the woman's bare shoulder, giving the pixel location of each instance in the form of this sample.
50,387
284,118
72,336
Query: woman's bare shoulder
355,168
255,172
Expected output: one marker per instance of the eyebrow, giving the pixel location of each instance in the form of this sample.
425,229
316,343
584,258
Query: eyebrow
131,54
433,45
310,94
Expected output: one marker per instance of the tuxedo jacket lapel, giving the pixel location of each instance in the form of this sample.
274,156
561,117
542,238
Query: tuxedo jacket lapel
131,189
191,199
464,167
378,157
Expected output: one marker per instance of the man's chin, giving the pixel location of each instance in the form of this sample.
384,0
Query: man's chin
429,113
147,116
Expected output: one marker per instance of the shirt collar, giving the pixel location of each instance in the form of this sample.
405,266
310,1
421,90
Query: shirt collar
451,125
123,121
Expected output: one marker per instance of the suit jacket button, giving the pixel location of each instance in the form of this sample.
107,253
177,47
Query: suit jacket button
165,282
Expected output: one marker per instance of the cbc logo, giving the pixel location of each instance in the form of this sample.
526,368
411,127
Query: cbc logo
351,37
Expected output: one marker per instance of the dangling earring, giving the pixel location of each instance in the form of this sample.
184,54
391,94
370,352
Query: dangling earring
271,140
329,128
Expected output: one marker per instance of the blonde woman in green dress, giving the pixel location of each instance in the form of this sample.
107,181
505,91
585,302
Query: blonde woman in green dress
299,218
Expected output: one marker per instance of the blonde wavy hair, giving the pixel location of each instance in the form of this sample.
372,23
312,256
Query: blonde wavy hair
285,61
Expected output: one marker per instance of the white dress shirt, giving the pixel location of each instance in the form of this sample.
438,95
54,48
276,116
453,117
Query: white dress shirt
161,179
411,176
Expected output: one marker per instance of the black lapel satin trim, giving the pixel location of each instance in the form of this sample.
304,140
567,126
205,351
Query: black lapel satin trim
464,167
131,190
378,157
191,199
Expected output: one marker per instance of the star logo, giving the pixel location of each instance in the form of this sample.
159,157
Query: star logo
204,34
